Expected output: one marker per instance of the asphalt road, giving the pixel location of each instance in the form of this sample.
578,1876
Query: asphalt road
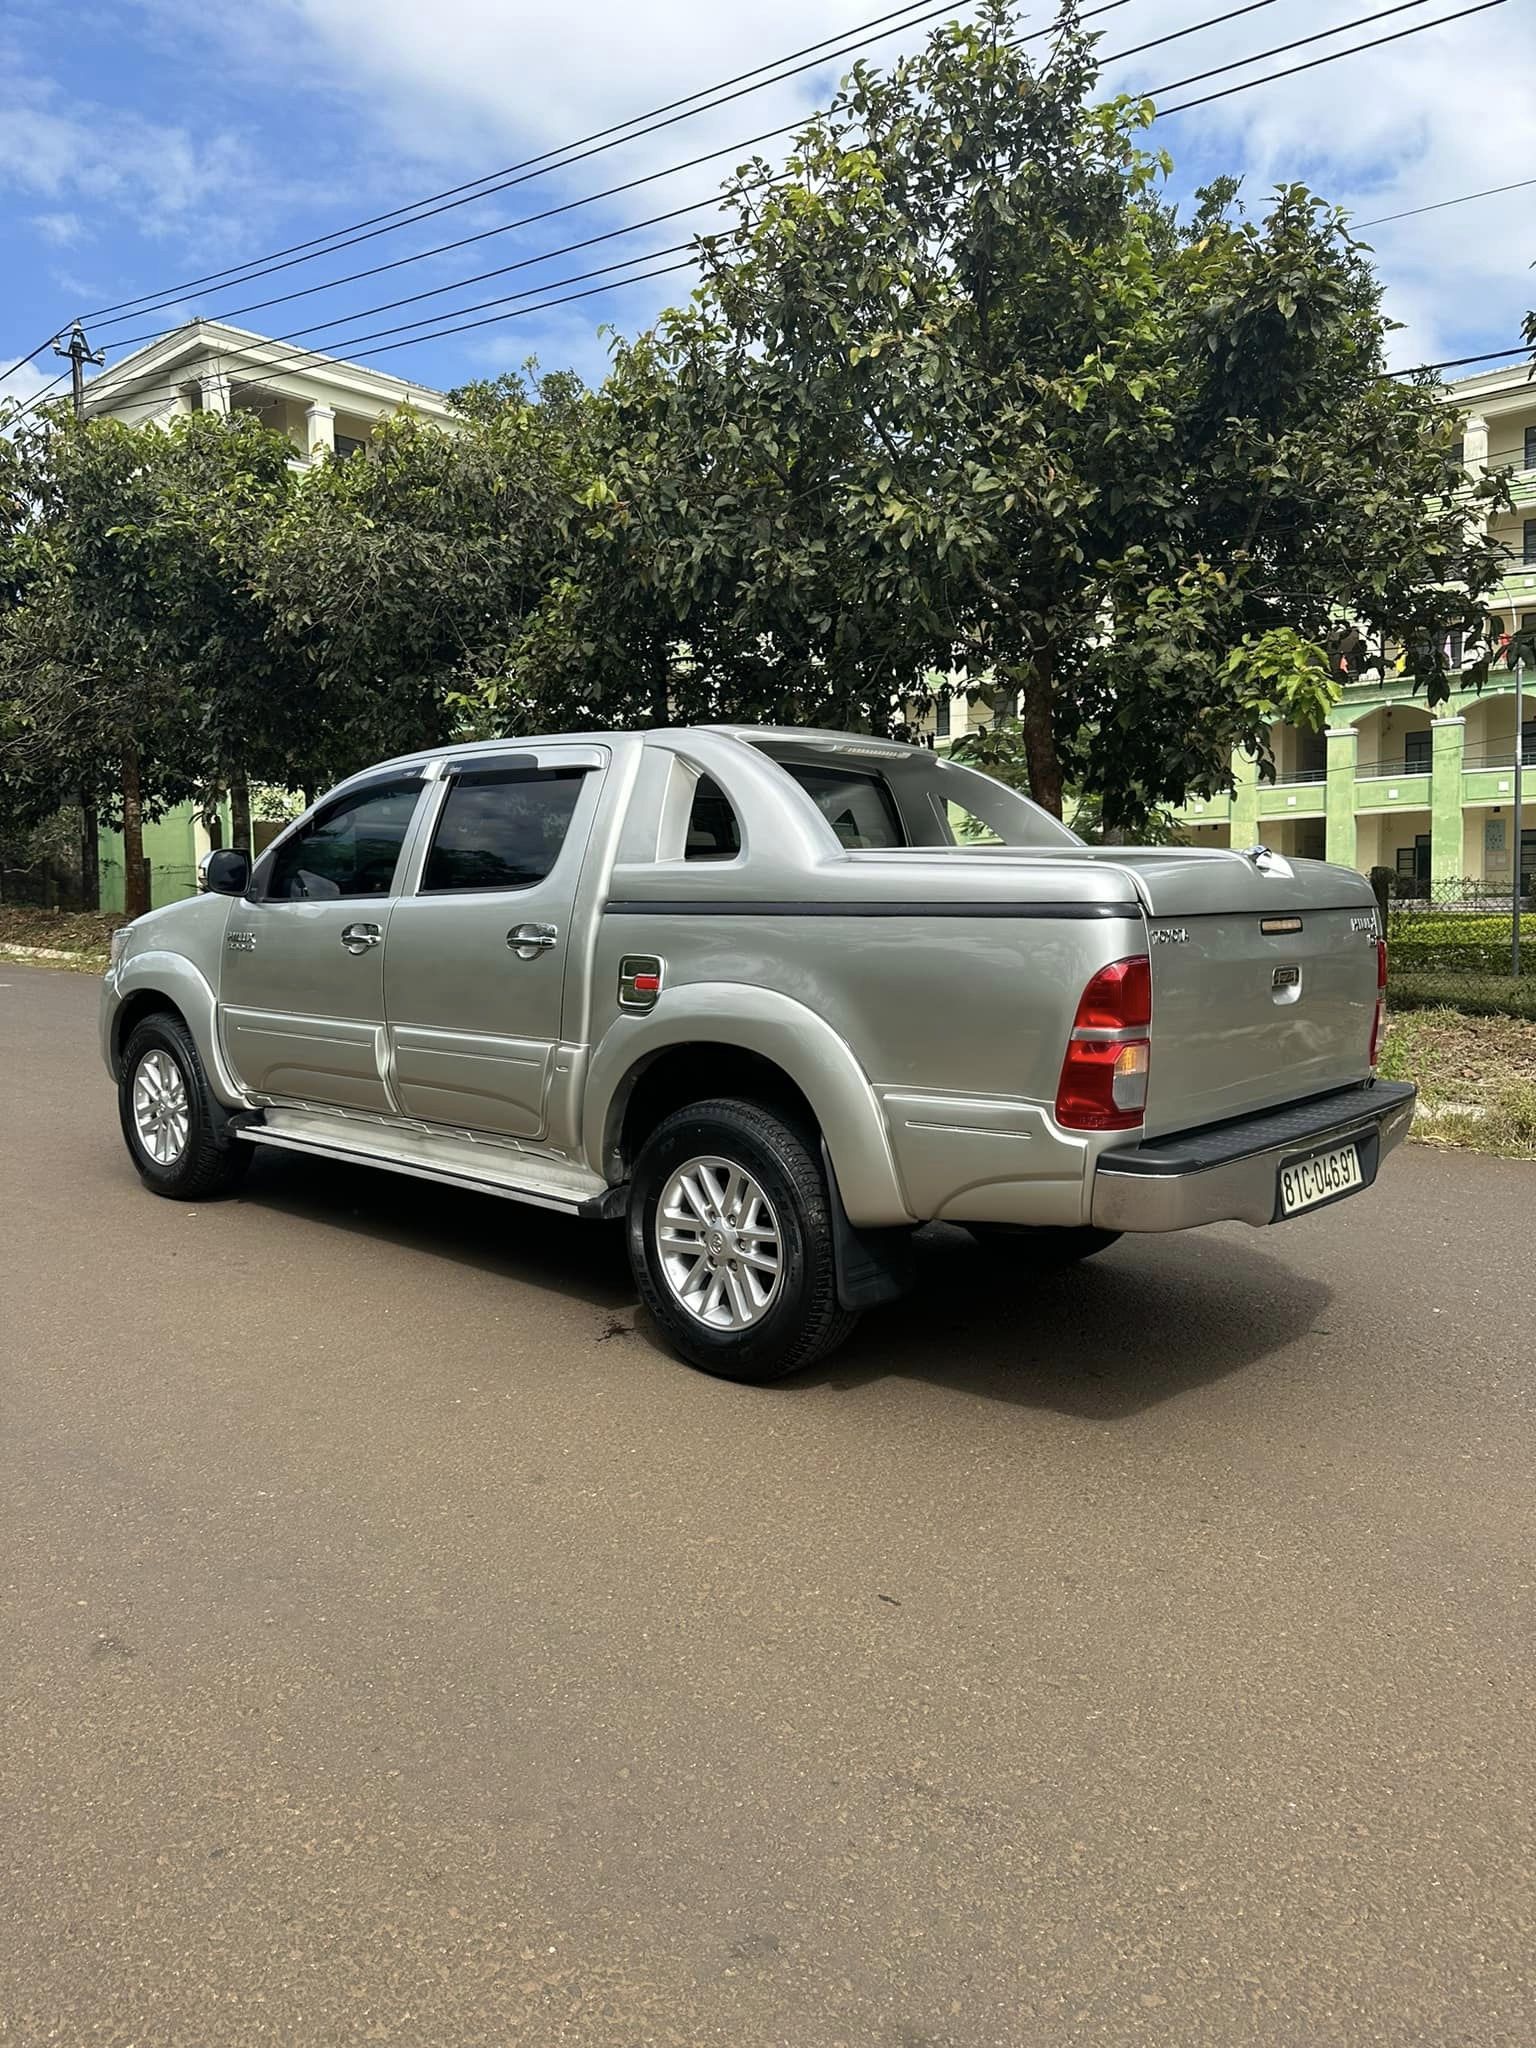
399,1647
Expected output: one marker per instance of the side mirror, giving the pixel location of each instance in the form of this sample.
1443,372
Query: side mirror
226,871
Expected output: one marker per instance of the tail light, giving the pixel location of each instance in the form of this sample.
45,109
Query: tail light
1379,1021
1109,1055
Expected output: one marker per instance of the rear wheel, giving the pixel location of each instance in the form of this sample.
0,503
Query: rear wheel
1042,1245
174,1129
730,1240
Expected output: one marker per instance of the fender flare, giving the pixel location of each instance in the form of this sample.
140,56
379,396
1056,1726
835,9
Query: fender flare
173,976
778,1029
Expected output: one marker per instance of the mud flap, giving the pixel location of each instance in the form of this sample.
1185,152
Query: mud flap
873,1266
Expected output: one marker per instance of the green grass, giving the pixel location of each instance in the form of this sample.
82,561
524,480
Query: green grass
1473,994
81,938
1476,1078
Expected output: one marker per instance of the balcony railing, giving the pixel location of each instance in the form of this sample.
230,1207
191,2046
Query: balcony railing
1499,754
1399,764
1300,775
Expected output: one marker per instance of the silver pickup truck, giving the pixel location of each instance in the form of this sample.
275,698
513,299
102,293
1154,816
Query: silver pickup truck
773,997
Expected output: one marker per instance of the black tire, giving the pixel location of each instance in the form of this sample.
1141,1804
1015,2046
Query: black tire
1044,1246
803,1320
212,1160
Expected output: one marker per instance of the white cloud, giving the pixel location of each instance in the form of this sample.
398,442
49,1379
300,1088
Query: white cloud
29,380
473,83
434,95
1418,120
98,156
62,229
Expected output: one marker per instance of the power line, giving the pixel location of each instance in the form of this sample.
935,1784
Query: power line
1319,36
319,242
1408,213
549,213
592,291
527,220
1245,85
1459,362
21,362
1334,57
544,169
463,283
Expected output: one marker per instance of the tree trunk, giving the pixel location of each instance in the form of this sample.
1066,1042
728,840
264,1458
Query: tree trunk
135,881
212,818
90,853
1040,733
240,816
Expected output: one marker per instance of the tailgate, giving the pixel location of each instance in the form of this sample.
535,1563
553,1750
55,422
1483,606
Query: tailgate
1263,982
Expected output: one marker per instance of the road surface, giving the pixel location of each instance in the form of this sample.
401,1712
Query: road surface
399,1647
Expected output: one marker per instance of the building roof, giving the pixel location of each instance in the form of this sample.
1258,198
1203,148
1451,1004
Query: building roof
213,347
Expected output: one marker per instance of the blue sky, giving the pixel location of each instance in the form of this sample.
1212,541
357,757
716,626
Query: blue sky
147,142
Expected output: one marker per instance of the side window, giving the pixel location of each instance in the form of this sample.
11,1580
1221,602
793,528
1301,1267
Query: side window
857,805
501,828
349,848
714,831
963,827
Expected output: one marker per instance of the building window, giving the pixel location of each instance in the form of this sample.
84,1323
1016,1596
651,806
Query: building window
347,444
1417,749
1529,539
1453,648
1455,455
1530,448
941,716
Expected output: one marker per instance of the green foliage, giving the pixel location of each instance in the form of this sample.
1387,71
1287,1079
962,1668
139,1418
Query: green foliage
959,392
962,391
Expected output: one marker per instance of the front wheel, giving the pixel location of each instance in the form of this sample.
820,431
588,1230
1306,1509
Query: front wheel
1045,1246
173,1127
730,1240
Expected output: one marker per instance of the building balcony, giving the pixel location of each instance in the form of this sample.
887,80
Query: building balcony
1297,796
1391,785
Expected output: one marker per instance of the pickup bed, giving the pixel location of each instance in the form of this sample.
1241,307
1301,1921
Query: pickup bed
774,998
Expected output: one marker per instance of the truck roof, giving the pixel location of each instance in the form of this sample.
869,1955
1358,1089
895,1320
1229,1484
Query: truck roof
798,735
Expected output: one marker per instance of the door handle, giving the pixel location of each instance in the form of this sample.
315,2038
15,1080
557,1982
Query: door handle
528,941
357,938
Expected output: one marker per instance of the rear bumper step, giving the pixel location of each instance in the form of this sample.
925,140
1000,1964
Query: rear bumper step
1228,1172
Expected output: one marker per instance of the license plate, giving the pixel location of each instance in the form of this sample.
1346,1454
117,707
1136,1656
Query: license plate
1306,1182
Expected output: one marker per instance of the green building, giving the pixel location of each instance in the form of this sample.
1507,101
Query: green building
1388,784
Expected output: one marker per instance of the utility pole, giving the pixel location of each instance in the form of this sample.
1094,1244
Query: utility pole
78,354
1519,765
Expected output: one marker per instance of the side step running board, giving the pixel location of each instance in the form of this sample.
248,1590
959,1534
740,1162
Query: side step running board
606,1203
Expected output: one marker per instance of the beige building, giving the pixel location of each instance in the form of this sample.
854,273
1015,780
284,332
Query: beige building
323,405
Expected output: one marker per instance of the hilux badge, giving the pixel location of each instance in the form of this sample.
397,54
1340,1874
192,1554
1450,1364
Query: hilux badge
1170,935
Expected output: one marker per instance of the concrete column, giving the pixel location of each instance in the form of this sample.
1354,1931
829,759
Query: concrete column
1445,846
215,391
321,435
1342,744
1474,444
1245,800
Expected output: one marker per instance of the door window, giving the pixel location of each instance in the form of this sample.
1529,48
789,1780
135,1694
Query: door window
349,848
501,828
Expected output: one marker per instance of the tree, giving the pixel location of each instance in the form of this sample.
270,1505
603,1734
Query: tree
135,659
961,389
401,582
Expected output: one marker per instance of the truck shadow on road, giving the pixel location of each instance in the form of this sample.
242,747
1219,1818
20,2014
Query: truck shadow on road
1148,1320
1144,1322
